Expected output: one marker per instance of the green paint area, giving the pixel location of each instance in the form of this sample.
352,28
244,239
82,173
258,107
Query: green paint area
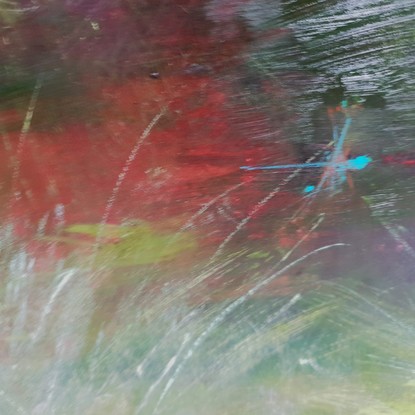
124,246
331,352
338,348
258,255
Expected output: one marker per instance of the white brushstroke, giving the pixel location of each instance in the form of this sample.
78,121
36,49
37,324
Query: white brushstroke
23,134
66,277
170,364
231,307
127,165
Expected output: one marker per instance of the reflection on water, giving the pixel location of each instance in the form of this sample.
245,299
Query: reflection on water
145,272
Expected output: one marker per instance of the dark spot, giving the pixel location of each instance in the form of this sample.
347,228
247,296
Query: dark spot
375,101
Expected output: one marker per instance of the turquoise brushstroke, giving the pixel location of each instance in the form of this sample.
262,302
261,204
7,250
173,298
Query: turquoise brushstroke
335,155
357,163
339,167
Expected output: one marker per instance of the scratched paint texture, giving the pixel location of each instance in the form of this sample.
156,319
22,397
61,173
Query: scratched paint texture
207,207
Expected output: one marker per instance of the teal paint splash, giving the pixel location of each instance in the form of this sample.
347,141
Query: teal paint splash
359,163
308,189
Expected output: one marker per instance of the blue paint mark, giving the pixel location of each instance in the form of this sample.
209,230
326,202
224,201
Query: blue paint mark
335,155
338,147
335,175
309,188
359,163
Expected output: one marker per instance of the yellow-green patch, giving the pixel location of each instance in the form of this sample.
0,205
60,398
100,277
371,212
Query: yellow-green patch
258,255
140,244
